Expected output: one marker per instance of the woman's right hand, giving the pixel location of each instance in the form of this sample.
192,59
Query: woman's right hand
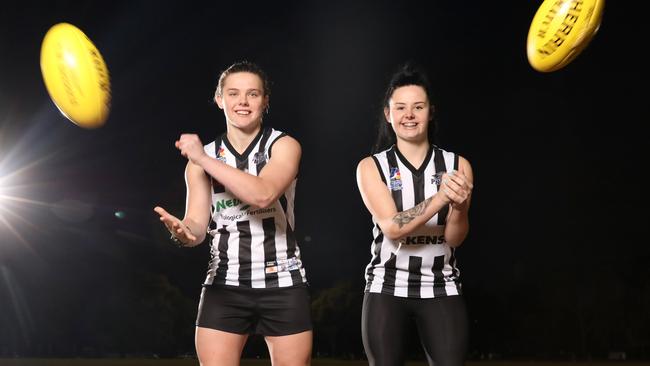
176,227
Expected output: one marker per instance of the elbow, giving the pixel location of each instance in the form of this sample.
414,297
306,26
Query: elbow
392,233
392,236
264,201
390,229
456,239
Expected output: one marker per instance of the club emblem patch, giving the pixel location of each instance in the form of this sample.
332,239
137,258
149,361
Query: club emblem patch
395,179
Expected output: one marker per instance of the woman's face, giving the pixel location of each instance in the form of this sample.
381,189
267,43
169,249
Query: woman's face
243,100
409,113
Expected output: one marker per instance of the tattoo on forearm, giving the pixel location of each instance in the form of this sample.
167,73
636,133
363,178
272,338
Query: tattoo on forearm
409,215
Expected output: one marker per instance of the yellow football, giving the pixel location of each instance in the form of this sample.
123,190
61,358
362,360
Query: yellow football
76,76
560,30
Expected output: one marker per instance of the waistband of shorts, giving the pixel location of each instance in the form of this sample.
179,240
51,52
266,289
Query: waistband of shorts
255,289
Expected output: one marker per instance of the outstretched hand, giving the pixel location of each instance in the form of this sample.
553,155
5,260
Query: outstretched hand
175,226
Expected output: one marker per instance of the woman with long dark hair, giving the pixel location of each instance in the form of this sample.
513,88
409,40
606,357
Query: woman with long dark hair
419,196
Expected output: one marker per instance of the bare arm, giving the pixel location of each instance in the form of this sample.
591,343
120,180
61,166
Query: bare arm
379,202
192,229
259,191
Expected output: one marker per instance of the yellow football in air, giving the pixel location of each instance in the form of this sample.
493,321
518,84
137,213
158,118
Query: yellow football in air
560,30
75,76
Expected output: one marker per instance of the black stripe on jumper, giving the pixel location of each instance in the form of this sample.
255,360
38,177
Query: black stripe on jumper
261,151
222,249
439,164
242,164
292,245
268,224
454,269
438,276
415,276
245,266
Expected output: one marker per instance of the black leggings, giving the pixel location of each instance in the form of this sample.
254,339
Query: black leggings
441,323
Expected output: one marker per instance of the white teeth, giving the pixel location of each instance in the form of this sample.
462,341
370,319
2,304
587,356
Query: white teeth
410,124
244,113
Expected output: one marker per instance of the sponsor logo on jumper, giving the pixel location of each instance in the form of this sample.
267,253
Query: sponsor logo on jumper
260,157
283,265
395,179
437,178
423,239
243,214
223,204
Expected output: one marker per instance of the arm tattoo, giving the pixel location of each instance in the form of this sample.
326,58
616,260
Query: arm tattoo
407,216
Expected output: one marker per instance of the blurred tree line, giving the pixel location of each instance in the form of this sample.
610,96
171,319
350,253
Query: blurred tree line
95,298
553,318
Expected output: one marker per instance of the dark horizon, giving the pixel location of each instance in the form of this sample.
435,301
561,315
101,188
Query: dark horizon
555,265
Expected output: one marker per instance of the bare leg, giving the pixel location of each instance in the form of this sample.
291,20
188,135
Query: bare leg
216,347
290,350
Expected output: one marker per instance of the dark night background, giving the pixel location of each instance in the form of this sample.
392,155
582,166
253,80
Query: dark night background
556,263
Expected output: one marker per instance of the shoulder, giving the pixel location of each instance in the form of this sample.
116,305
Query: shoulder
366,163
275,136
374,161
369,166
369,172
462,161
282,144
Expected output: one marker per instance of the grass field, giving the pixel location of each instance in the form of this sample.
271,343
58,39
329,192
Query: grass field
315,362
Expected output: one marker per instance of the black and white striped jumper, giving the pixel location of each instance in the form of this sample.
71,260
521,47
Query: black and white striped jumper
252,247
420,265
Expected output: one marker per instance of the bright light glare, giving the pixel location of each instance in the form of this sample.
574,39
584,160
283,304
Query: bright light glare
9,216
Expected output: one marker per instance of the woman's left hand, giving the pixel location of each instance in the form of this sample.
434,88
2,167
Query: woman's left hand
191,147
458,188
180,231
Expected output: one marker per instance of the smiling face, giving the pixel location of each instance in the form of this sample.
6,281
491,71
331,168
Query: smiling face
409,113
243,100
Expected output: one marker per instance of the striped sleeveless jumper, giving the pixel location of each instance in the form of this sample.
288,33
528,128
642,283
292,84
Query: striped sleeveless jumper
420,265
252,247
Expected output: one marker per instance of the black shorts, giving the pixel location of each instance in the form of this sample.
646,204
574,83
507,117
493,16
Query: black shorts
267,311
